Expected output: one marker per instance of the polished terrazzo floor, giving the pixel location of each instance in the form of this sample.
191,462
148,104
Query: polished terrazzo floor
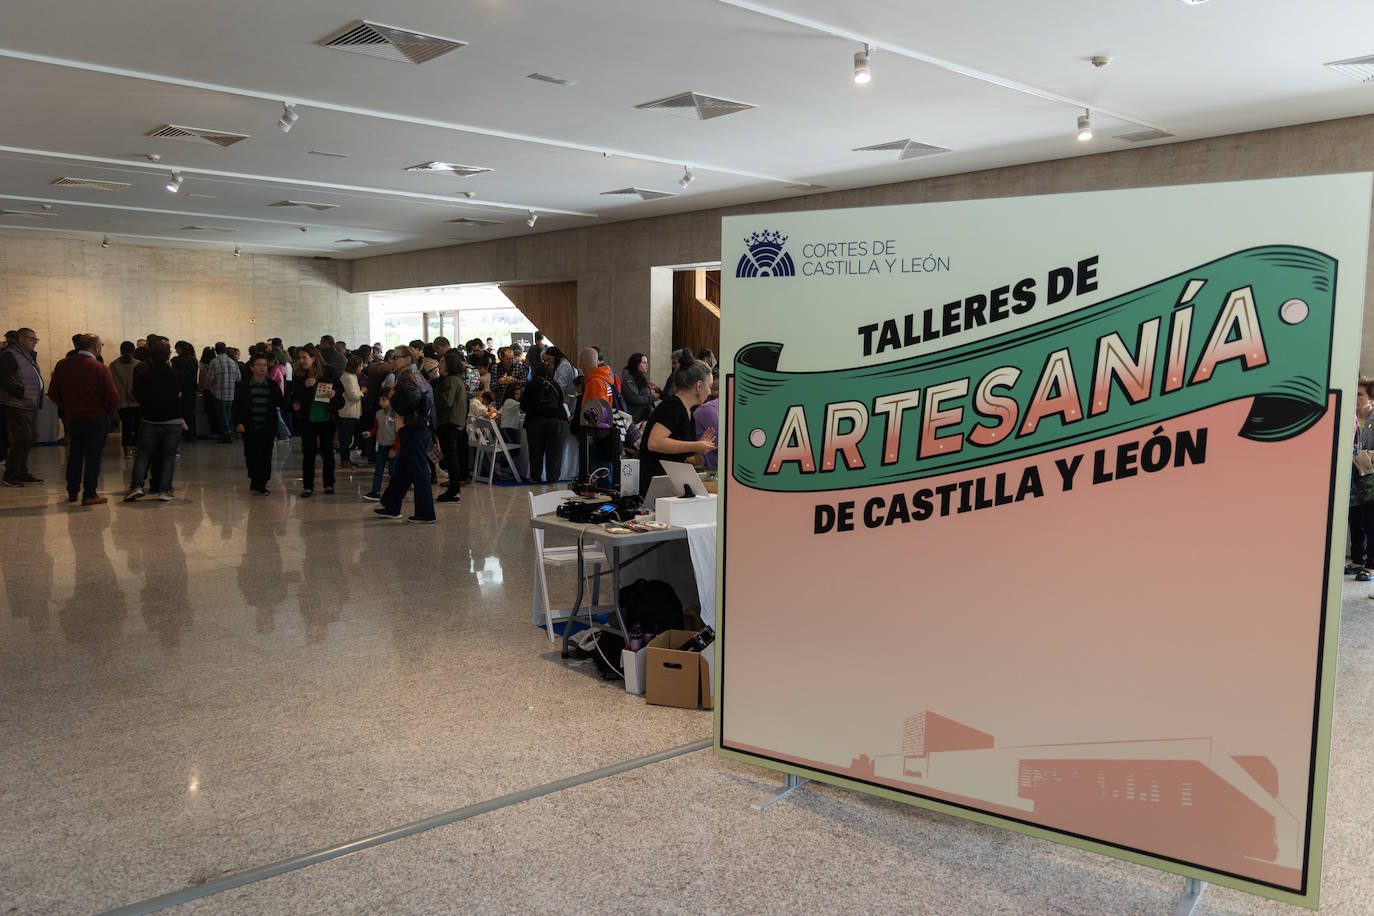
196,688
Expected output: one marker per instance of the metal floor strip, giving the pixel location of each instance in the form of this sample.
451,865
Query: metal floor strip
263,872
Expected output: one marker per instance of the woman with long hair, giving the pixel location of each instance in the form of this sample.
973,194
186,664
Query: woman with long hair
639,392
413,403
451,407
670,434
122,371
316,396
351,411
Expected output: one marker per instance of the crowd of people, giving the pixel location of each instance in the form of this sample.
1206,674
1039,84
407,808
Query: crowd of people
406,411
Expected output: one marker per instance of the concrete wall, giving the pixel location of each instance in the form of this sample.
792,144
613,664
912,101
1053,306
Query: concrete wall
59,286
617,303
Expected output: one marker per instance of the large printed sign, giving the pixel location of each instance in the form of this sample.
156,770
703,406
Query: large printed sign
1034,511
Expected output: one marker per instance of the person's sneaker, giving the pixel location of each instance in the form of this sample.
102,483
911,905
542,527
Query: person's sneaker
374,496
94,501
11,482
166,496
386,513
348,466
29,478
135,493
73,497
420,521
448,498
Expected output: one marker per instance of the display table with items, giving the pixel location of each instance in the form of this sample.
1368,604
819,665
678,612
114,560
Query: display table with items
634,550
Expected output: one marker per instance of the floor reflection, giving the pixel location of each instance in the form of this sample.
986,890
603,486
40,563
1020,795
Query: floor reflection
28,572
261,579
93,617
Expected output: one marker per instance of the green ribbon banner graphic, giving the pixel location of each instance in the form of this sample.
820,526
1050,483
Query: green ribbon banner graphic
1253,324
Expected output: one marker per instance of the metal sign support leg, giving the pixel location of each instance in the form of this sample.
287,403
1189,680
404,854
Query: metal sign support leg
1192,896
793,783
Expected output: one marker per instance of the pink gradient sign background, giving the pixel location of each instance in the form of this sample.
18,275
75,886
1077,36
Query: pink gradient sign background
1185,603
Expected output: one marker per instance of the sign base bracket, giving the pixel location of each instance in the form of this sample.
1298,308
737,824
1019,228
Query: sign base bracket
792,784
1193,890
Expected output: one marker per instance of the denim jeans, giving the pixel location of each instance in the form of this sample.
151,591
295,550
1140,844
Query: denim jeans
159,439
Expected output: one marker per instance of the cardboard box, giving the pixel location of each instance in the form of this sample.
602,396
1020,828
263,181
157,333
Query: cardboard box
672,677
632,663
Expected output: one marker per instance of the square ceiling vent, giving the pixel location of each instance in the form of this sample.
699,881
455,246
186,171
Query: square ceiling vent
696,106
1359,69
462,171
1144,136
389,42
641,193
197,135
905,149
90,183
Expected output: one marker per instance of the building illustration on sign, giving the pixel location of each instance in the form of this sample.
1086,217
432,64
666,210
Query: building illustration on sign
1188,795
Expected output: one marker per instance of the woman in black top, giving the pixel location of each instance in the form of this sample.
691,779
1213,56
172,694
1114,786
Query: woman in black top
670,434
316,396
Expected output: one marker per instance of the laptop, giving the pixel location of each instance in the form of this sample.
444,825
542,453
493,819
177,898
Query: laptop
684,479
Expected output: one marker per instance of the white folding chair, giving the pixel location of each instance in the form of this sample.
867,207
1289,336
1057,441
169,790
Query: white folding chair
593,557
505,450
484,449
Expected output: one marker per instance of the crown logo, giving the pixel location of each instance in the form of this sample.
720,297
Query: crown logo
765,257
757,240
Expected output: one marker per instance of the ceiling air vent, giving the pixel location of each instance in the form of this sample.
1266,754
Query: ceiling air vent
641,193
556,80
197,135
1359,69
320,152
90,183
696,106
905,149
462,171
206,229
473,221
204,196
803,187
1142,136
389,42
27,213
352,242
303,203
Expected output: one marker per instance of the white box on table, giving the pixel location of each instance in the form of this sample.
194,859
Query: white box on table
678,510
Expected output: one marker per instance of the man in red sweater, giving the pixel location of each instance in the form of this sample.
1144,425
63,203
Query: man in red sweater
83,387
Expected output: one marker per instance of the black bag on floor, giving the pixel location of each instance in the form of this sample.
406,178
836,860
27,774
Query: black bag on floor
650,605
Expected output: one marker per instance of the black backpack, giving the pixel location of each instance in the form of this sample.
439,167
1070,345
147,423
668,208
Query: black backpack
651,606
548,397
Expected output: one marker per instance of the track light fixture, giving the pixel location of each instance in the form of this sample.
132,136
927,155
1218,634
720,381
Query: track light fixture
174,185
288,118
236,251
532,220
861,74
105,242
688,176
1085,128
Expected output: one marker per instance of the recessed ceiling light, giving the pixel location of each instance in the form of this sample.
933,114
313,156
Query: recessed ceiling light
557,81
462,171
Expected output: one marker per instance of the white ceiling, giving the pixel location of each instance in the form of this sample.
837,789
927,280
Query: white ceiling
997,83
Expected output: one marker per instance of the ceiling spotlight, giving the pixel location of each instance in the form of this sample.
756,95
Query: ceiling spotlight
174,185
1085,128
288,118
531,221
687,176
237,252
861,74
105,242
